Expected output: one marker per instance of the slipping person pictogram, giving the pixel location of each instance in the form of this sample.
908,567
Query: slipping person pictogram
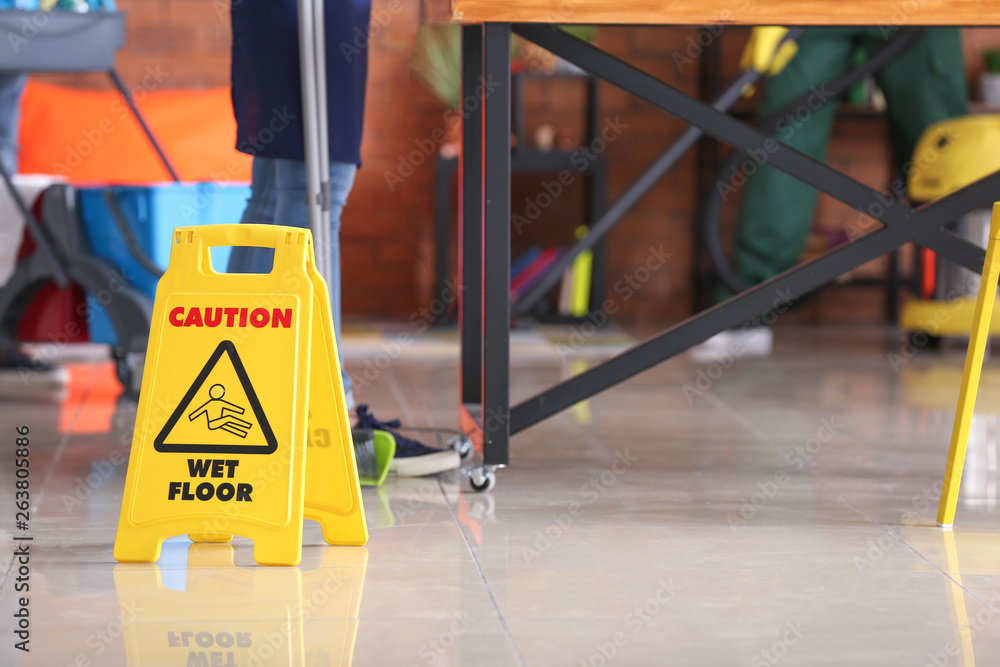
226,419
231,408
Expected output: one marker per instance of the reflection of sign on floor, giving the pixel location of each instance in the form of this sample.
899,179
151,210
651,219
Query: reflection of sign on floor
215,410
212,613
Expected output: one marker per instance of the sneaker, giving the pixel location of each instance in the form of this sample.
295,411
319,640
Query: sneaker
412,459
746,342
19,372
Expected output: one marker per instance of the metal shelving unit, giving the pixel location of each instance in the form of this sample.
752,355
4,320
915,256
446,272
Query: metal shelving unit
525,159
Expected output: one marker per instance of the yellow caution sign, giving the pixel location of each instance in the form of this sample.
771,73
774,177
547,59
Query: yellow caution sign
241,396
970,375
332,469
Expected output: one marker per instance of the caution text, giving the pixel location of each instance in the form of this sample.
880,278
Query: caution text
276,318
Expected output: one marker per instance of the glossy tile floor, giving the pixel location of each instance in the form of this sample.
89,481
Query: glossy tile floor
776,511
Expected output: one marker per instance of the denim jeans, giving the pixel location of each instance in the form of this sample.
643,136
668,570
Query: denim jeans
11,87
278,197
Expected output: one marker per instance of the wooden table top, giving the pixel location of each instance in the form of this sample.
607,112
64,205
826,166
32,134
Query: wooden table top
707,12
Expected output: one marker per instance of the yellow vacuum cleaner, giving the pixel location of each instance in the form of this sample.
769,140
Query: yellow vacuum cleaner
950,155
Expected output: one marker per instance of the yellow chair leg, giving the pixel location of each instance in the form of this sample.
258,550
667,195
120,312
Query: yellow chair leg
970,376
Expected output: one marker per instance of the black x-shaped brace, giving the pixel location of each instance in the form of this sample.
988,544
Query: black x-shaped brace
902,224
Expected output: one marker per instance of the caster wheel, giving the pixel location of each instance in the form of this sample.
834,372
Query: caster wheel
482,479
462,445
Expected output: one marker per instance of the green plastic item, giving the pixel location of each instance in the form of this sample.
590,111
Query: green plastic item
857,95
373,451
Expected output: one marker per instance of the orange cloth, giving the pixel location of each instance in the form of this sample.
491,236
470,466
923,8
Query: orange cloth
91,135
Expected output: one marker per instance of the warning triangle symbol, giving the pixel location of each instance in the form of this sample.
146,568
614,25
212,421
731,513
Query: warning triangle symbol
220,413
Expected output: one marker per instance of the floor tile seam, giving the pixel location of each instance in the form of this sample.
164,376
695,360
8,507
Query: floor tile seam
407,415
486,583
64,440
736,416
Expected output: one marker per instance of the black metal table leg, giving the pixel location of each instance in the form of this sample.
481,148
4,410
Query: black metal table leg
496,244
597,181
470,236
596,198
901,224
442,236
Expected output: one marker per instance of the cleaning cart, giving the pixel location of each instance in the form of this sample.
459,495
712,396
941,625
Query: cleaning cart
950,155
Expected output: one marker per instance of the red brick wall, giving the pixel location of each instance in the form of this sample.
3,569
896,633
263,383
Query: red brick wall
388,231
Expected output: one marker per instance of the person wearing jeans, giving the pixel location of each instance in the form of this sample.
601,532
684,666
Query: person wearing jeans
11,88
278,196
267,103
